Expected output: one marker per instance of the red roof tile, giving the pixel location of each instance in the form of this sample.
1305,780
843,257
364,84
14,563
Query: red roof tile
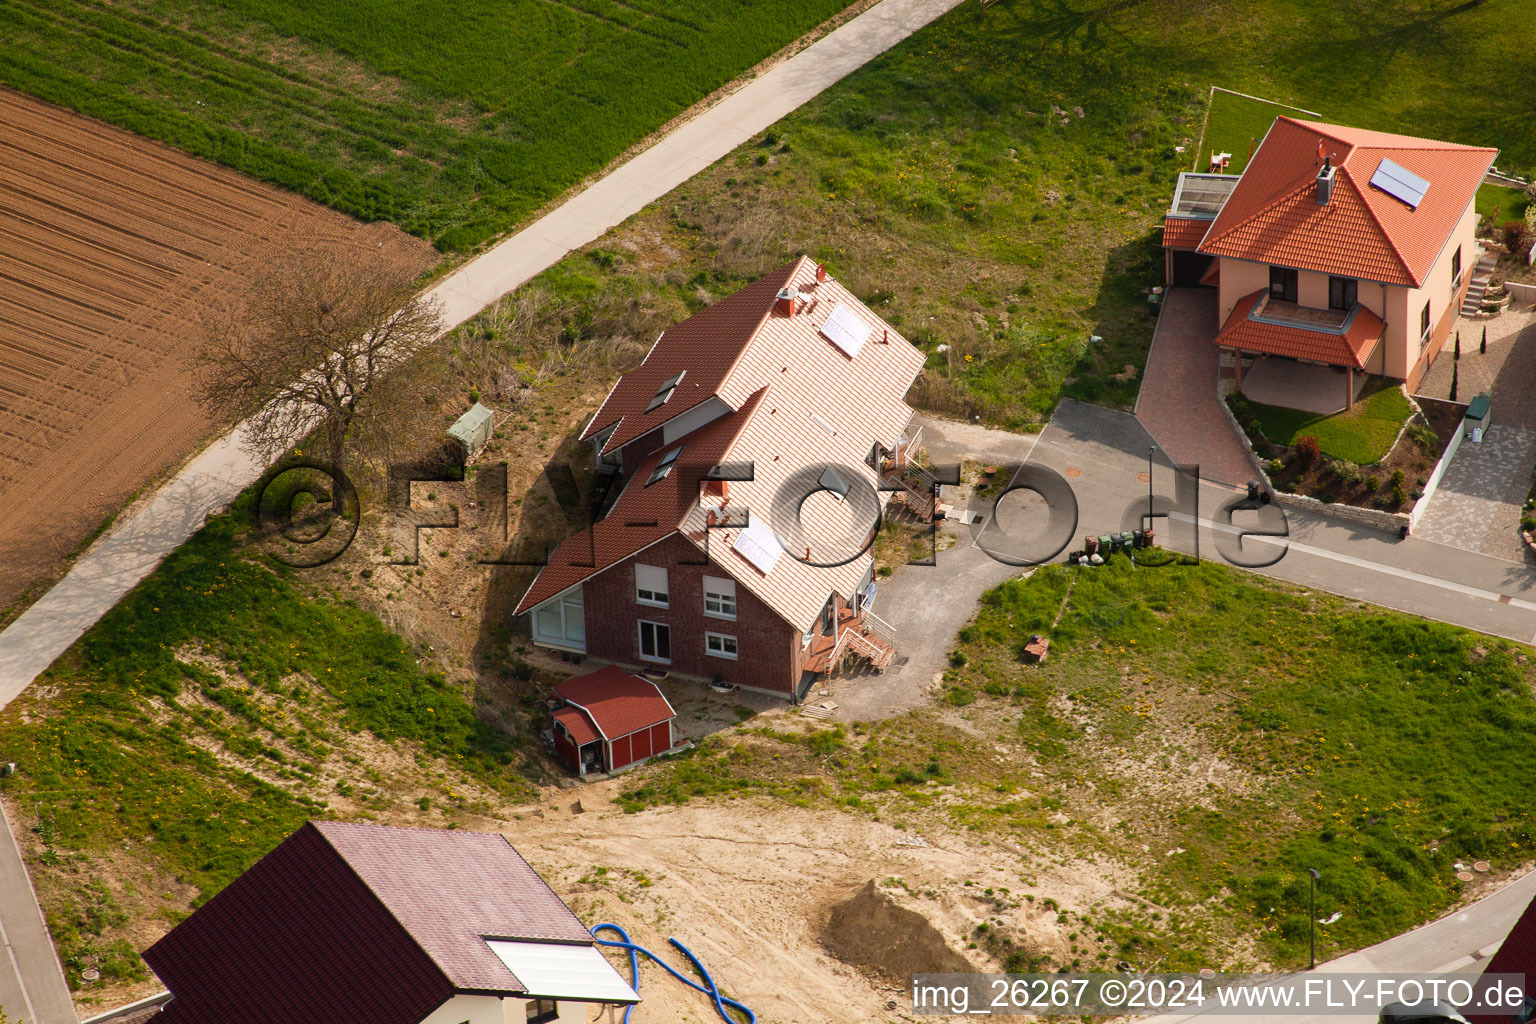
358,922
1351,348
577,724
799,401
1183,233
1273,215
706,345
617,702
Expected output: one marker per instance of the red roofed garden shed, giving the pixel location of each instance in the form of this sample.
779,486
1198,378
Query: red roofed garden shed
611,720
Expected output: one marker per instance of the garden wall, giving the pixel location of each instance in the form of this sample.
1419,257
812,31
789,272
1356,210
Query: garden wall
1522,292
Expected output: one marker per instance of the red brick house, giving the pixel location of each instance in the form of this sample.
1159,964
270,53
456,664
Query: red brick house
753,444
360,922
1336,246
611,720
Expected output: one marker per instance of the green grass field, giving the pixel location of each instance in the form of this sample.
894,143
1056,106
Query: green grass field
1363,435
1501,205
455,120
1299,732
1237,124
209,714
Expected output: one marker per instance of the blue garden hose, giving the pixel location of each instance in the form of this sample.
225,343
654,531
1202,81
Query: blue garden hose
713,991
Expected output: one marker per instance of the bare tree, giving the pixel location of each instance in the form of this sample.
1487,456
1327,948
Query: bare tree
310,346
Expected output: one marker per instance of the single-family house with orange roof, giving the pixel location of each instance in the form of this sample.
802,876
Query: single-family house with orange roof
756,447
1338,246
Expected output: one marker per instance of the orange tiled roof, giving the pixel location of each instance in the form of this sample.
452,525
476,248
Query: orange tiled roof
800,401
1243,330
1273,215
1183,233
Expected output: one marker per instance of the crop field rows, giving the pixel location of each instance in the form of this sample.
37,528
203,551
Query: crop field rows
454,127
111,251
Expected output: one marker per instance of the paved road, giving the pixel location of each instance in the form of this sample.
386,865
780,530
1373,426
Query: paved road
32,989
217,476
1459,942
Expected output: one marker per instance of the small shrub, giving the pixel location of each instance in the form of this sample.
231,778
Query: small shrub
1371,483
1275,466
1308,451
1528,524
957,659
1399,487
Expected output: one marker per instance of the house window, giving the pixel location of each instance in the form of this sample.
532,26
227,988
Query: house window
718,645
543,1011
1342,292
651,585
562,622
664,466
665,391
1424,327
719,598
1456,269
655,641
1282,283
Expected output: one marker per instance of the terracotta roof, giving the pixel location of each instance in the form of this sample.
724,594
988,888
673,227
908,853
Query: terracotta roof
1352,347
617,702
642,515
1182,233
358,922
1212,275
1273,215
800,401
577,724
706,345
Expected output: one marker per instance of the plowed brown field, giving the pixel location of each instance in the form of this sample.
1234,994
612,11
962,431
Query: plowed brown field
110,246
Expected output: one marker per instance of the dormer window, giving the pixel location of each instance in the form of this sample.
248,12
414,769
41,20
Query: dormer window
664,466
665,391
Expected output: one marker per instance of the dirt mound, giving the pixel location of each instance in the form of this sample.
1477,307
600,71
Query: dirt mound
870,929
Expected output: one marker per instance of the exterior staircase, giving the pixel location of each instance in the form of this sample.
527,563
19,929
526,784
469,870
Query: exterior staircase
865,635
1472,303
915,487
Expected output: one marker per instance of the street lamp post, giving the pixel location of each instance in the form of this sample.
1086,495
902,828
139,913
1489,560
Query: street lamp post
1312,912
1150,450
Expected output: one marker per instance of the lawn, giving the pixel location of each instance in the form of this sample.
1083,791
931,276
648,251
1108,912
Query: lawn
1363,435
1501,205
1302,731
1236,124
213,711
455,120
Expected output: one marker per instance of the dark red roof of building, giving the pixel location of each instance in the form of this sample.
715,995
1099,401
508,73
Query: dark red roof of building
1517,955
706,345
577,724
1246,330
1273,215
352,922
618,702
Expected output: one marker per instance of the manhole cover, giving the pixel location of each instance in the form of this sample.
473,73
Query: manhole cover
1464,876
1073,471
1481,865
1143,478
90,974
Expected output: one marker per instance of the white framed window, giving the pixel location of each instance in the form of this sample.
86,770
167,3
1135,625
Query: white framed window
1424,328
562,622
719,645
651,585
543,1011
719,598
655,641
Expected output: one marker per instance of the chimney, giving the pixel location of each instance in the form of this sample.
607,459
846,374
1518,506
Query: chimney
1325,181
784,302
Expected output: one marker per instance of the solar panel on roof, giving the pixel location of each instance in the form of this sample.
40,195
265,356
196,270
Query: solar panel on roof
845,330
1400,183
758,545
563,971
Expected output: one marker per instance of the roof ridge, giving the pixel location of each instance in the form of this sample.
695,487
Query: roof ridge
352,870
1281,196
794,269
1391,242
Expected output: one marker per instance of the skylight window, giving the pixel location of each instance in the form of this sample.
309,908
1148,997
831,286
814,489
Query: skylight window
1400,183
846,330
833,481
664,466
665,391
